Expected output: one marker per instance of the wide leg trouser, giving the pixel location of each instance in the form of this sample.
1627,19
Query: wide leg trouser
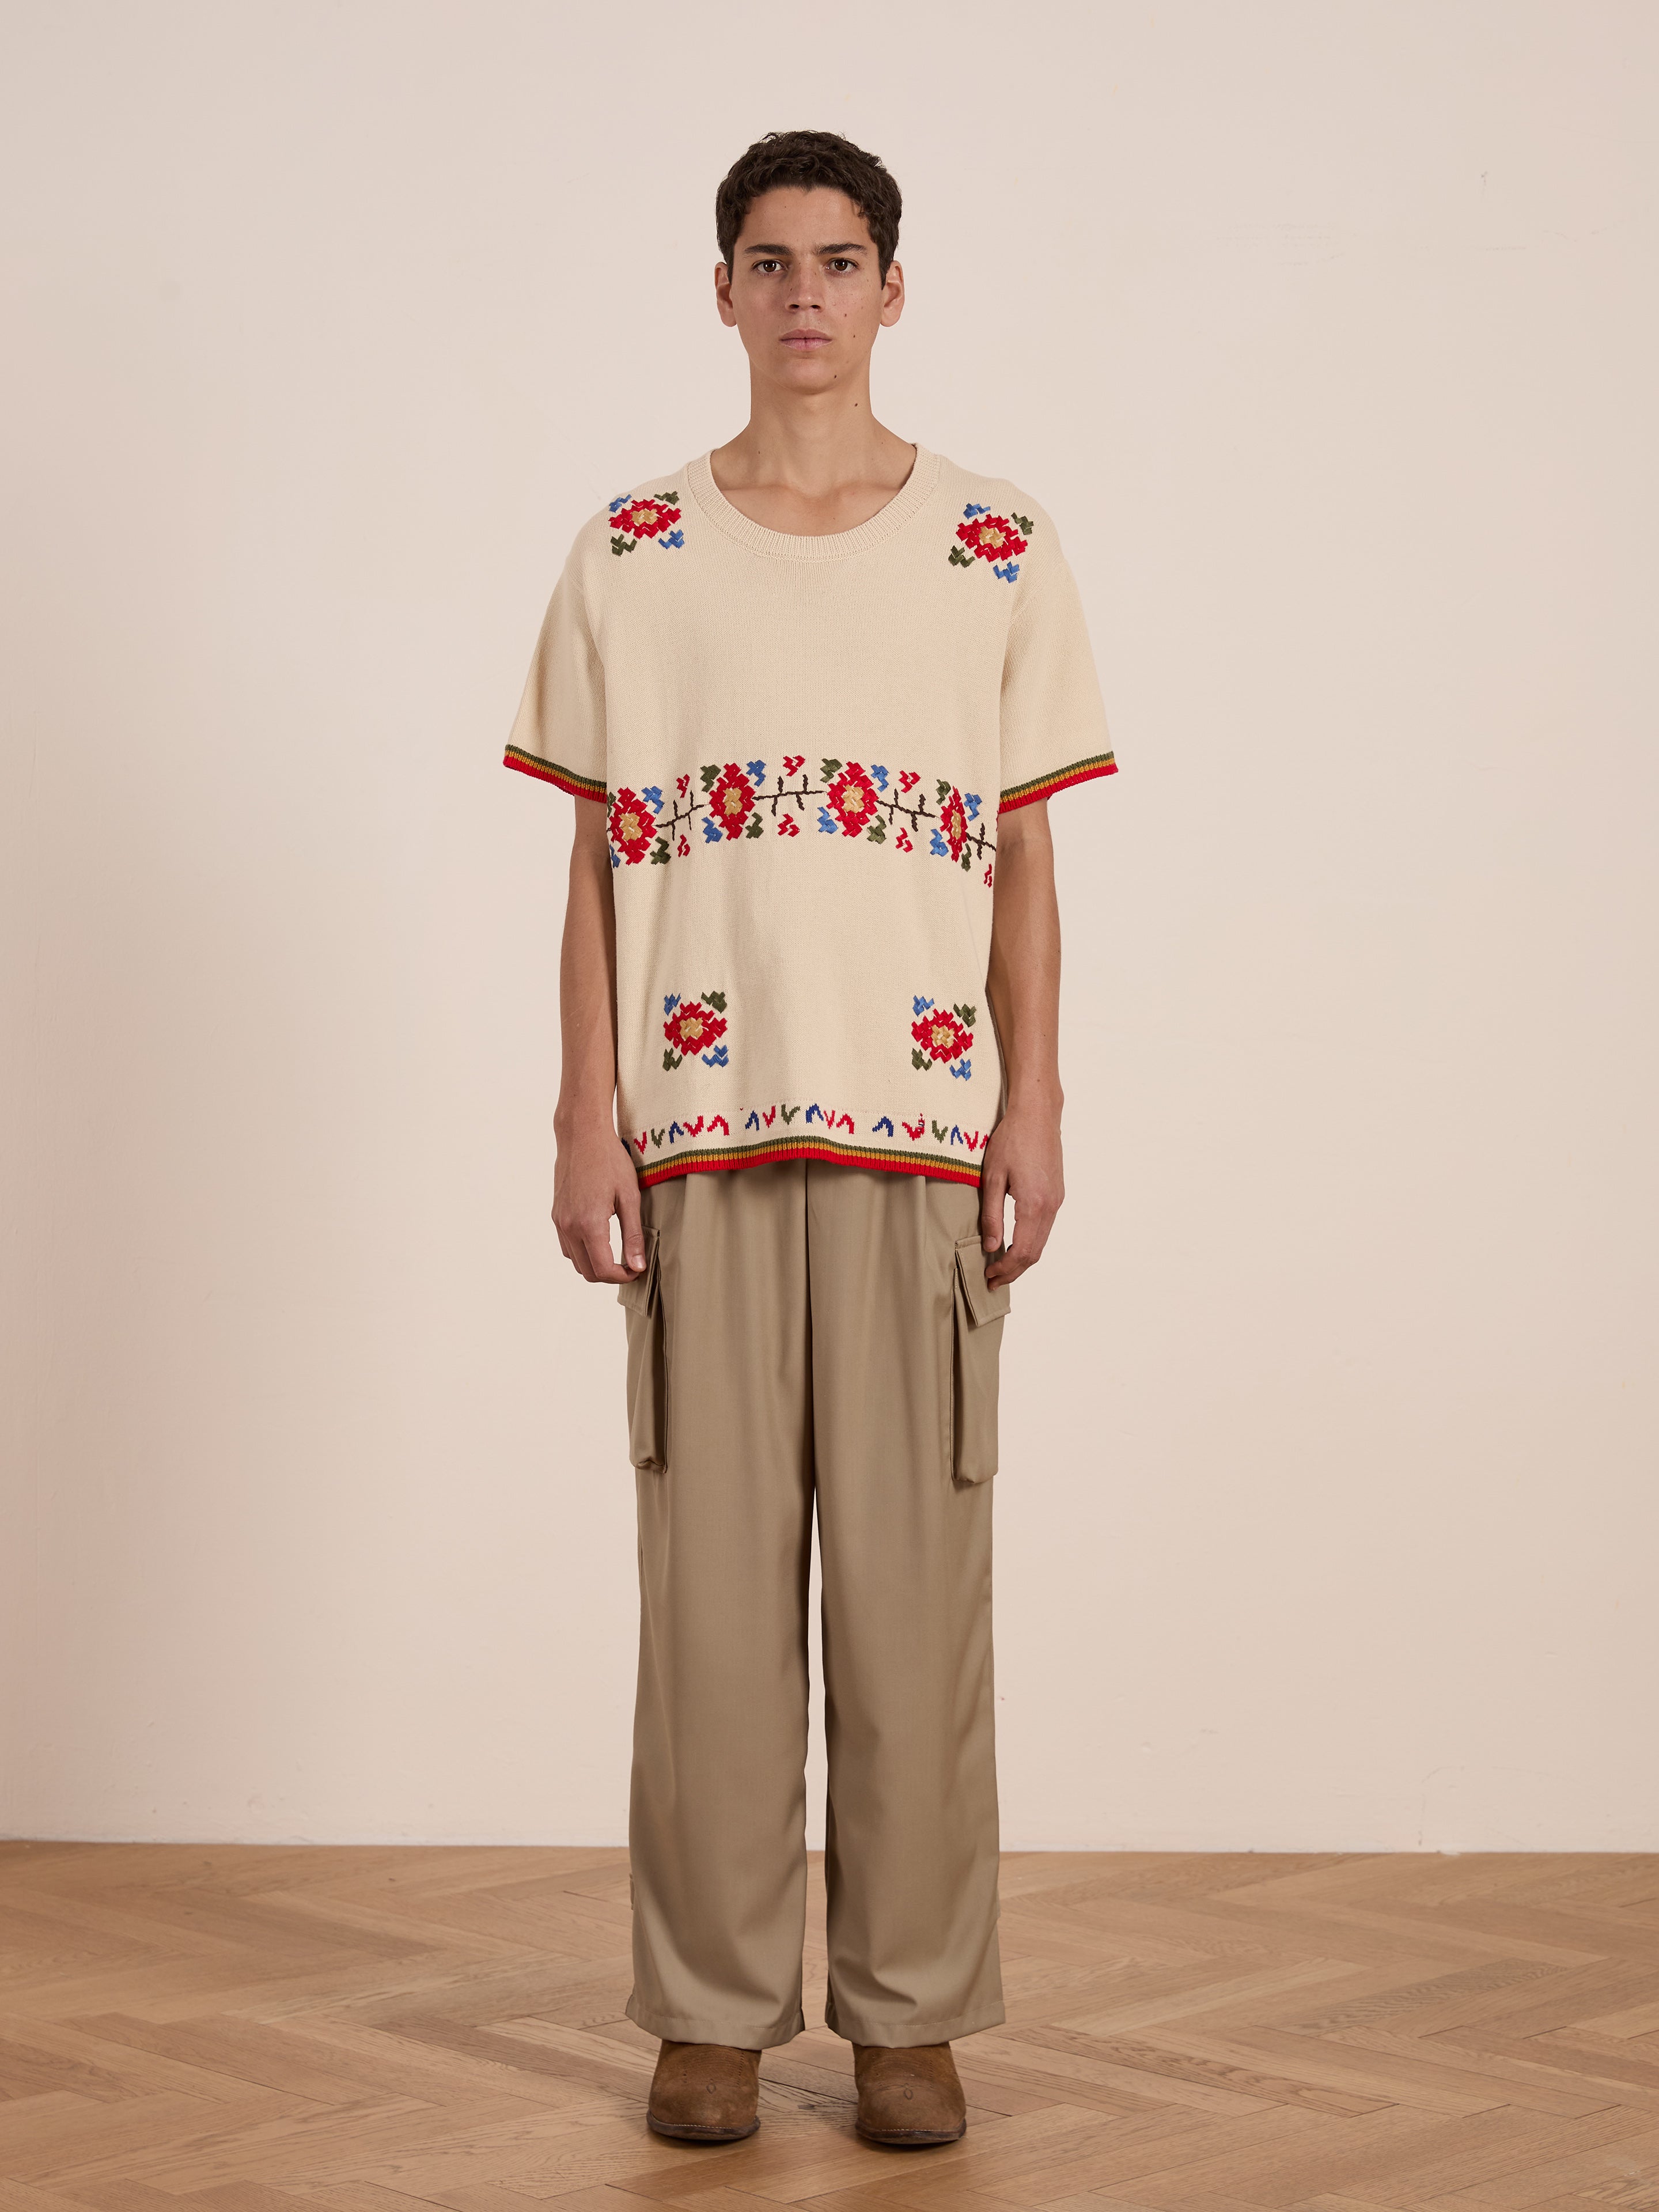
811,1336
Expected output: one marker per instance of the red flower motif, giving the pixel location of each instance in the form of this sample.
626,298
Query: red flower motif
732,799
793,764
631,824
693,1027
909,779
991,537
788,826
852,799
902,842
941,1036
644,517
682,847
953,820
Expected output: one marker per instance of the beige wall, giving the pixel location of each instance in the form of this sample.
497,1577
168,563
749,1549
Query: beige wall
1327,333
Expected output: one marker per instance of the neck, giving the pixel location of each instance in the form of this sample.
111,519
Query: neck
813,442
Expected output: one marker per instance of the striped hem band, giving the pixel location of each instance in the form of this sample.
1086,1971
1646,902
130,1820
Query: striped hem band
811,1148
1042,787
547,771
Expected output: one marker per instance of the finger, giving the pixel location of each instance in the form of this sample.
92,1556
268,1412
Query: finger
994,1192
633,1234
596,1242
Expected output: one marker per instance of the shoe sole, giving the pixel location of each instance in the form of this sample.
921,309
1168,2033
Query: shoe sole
913,2139
677,2134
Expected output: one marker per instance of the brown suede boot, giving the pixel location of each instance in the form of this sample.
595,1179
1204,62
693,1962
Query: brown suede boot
704,2092
909,2099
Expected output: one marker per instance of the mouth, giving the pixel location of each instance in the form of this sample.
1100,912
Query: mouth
806,341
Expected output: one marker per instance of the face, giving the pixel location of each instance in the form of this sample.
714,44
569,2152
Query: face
804,291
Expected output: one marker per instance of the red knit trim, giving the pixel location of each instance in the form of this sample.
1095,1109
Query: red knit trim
546,771
809,1148
1044,786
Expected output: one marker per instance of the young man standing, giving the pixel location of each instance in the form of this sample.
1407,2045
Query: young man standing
810,694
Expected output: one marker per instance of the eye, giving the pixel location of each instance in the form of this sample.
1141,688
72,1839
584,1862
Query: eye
765,268
841,261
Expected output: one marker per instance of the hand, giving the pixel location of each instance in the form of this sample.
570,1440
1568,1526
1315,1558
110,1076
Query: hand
592,1179
1022,1161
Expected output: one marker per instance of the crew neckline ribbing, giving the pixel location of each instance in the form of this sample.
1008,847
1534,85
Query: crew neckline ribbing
790,545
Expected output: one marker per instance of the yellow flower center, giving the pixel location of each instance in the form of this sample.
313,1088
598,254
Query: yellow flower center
630,826
690,1027
732,803
941,1037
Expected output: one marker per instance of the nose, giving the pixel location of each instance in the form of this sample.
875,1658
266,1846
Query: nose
807,296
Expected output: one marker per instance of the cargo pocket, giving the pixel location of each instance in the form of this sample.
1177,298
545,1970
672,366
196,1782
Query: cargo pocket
978,1328
648,1362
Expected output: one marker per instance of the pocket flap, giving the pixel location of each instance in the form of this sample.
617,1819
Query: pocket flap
640,1291
984,1302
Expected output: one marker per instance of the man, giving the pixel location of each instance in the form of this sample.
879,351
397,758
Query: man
810,693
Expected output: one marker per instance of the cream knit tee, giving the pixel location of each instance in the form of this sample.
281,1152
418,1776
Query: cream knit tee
804,746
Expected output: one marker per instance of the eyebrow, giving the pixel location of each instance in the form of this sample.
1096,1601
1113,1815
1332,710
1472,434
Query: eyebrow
847,246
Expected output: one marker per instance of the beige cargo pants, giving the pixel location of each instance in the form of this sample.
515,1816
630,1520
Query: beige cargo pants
810,1336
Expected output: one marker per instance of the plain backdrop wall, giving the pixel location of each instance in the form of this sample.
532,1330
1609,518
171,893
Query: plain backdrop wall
1327,333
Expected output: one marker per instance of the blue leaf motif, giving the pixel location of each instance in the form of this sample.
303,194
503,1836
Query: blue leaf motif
920,1007
670,1002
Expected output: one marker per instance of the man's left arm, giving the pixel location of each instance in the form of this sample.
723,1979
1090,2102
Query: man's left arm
1022,1158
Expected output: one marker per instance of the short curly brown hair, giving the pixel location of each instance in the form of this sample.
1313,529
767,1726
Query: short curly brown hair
806,160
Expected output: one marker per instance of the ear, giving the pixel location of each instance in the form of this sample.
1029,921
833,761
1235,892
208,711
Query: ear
892,295
728,313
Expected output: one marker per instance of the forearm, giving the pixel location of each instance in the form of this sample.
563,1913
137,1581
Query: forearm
1023,980
587,984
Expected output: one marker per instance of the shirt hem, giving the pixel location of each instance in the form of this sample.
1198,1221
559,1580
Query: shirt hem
547,771
811,1148
1044,786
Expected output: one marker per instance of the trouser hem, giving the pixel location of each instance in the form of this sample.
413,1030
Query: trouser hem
705,2028
893,2035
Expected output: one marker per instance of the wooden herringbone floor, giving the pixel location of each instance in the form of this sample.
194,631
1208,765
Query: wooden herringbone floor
265,2029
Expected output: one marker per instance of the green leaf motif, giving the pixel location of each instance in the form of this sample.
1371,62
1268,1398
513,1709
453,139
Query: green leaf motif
920,1059
966,1015
657,1136
938,1128
788,1114
877,833
671,1058
754,829
710,776
828,769
716,999
659,852
1023,523
943,787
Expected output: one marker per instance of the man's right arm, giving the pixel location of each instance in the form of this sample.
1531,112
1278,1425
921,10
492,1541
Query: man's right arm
593,1177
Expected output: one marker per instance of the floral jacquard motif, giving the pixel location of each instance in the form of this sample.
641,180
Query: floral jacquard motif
737,801
998,538
632,519
630,823
694,1028
944,1037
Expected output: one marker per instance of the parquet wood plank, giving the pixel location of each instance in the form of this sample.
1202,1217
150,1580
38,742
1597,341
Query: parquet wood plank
380,2029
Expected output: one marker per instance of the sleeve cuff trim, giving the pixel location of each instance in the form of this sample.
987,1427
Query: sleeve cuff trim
547,771
1043,787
